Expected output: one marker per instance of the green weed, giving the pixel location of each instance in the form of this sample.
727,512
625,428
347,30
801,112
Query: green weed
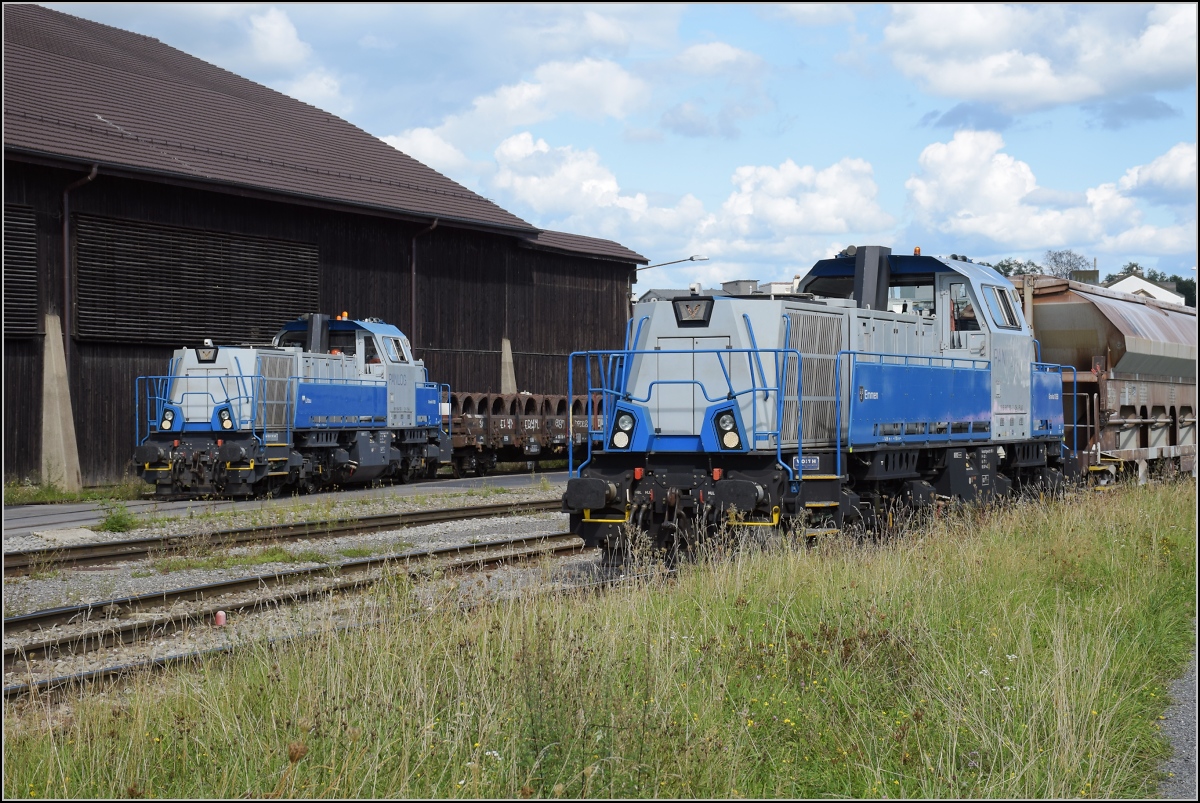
117,518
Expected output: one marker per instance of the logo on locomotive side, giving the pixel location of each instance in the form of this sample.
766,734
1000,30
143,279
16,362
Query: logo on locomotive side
864,394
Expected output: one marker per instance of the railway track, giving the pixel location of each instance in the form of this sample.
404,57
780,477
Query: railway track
130,619
68,557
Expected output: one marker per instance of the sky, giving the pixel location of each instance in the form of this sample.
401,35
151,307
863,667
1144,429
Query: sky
764,137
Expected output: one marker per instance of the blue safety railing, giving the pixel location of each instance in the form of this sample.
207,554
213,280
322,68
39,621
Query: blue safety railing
1040,393
923,398
443,389
243,393
252,408
608,375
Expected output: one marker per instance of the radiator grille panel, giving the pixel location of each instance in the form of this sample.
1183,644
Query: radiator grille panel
818,338
273,404
148,283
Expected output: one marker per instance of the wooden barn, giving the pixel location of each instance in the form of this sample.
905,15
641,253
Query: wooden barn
152,199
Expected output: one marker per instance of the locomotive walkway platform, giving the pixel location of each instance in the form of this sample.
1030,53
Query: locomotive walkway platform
28,519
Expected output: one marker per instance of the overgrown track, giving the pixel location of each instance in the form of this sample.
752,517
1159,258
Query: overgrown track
65,557
330,578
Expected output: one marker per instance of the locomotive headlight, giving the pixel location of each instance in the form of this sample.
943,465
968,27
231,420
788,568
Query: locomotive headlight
226,421
621,440
727,430
168,419
625,423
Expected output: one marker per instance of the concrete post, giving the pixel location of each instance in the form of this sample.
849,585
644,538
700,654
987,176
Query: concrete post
508,375
60,451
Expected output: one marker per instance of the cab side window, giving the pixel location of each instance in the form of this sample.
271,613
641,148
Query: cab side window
342,343
963,313
389,346
1001,308
370,353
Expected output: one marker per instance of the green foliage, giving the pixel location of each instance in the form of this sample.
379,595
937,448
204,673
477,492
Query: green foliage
1017,654
224,560
31,492
117,518
1016,267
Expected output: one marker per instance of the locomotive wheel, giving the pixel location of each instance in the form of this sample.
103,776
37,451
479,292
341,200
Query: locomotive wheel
269,488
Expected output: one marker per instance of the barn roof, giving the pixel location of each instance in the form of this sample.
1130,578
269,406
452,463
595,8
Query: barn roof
590,246
80,91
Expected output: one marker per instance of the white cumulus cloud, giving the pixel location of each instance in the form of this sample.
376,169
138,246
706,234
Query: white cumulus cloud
320,88
1022,58
427,147
970,188
776,221
712,58
590,88
1170,177
838,199
274,40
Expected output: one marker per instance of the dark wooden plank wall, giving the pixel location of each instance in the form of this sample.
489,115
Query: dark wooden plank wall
473,289
22,408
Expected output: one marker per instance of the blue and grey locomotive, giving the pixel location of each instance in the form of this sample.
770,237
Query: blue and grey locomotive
875,379
329,401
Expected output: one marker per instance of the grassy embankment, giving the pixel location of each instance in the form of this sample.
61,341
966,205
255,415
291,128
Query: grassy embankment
1021,654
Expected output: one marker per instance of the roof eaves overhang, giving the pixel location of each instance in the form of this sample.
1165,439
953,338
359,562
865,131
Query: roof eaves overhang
536,246
251,191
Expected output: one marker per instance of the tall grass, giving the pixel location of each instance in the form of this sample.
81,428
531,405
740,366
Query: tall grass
1017,654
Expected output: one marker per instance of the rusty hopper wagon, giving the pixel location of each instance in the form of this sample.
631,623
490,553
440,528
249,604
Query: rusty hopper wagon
1134,398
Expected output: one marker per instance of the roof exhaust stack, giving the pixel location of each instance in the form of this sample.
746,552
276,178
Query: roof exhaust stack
318,333
872,275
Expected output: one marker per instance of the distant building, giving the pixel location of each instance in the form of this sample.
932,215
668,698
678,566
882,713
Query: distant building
1137,286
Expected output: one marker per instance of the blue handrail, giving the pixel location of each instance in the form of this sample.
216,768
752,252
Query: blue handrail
614,385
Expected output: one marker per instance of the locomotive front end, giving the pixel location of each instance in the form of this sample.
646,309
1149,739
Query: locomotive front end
696,422
196,425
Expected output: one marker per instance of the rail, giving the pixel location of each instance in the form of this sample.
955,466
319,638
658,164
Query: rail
608,373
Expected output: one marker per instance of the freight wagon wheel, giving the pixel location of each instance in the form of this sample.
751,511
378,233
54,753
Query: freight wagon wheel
484,465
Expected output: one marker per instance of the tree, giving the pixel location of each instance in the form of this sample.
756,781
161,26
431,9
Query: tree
1015,267
1061,263
1185,288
